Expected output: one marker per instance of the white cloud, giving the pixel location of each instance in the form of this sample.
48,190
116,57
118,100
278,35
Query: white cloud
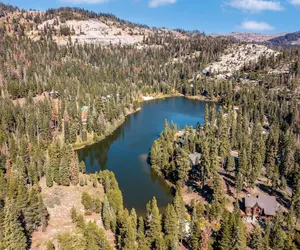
257,5
84,1
256,26
156,3
295,2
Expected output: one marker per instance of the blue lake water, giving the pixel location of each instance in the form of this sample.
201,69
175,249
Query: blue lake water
125,152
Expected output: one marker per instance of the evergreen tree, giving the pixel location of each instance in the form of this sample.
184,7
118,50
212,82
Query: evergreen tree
224,239
88,203
141,238
50,246
130,237
196,232
134,220
36,213
106,213
171,227
256,239
180,210
74,169
82,167
205,168
95,237
49,179
154,232
64,172
14,233
239,240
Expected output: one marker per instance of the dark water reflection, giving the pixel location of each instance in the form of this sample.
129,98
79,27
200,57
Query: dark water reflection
125,151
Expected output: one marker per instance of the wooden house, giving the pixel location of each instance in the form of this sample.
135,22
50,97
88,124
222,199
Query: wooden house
84,114
53,125
262,205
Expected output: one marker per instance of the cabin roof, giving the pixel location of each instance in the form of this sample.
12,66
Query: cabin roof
267,203
194,158
84,108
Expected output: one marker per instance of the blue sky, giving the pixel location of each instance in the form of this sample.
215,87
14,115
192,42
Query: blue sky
210,16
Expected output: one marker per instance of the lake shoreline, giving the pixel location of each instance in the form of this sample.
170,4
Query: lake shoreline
121,151
120,122
109,132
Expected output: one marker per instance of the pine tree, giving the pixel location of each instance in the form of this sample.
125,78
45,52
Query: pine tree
180,210
64,172
49,179
230,163
256,239
36,213
171,227
2,216
14,233
266,238
95,237
256,168
154,156
224,241
130,236
22,198
50,246
70,242
74,169
154,232
196,232
82,167
106,213
278,235
134,220
73,214
88,203
242,170
66,132
20,170
205,168
73,133
218,196
55,159
183,165
239,240
141,238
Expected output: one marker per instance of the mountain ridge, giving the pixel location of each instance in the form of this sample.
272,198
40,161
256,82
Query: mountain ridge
279,39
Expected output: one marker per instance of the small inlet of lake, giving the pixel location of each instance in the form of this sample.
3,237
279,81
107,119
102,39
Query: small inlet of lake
125,151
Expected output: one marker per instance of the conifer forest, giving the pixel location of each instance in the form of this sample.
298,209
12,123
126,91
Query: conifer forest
59,97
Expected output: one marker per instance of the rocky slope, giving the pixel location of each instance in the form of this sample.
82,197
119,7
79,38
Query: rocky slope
281,39
79,26
236,57
291,39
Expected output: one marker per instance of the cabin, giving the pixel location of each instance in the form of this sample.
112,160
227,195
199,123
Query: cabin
262,205
195,159
54,94
53,125
84,114
180,133
206,72
228,75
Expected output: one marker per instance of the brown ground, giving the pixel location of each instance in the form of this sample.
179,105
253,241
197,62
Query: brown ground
189,196
59,200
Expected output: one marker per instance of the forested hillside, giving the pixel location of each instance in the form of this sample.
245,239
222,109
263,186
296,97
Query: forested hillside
56,97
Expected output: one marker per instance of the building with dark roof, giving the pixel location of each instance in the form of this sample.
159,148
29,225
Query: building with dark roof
195,159
261,205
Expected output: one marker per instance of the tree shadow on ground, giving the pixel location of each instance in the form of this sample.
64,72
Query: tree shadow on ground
206,192
228,176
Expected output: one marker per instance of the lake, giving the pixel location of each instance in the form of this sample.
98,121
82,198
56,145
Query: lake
125,152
